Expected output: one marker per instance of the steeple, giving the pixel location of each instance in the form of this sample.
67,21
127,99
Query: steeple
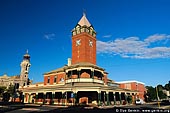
83,21
26,56
84,26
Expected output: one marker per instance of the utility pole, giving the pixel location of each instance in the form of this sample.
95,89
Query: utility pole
157,97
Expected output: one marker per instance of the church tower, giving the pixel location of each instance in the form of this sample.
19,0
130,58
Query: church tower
83,42
25,65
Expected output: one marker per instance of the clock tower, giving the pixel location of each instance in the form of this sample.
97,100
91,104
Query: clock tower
83,42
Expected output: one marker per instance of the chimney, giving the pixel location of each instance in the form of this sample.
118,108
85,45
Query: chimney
69,62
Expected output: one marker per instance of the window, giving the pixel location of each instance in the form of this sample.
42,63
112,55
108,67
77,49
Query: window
128,86
55,79
48,81
62,80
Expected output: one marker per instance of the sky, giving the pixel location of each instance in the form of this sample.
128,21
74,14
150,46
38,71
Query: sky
133,36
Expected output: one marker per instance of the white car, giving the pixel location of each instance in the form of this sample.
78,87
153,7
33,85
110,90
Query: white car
139,101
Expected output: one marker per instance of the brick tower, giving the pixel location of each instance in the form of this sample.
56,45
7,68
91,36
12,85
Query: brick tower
83,42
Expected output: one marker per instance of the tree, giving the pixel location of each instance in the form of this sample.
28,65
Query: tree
6,97
160,87
162,95
11,90
167,86
151,93
2,89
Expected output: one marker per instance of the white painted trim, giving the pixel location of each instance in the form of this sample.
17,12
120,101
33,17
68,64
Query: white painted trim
130,81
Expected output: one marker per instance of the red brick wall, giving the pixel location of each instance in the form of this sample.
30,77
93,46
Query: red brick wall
122,86
45,80
84,75
141,89
59,76
51,79
86,52
135,86
105,79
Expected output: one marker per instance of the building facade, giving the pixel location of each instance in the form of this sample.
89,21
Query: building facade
134,85
19,80
81,81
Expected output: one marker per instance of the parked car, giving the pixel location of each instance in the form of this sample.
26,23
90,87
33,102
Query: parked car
139,102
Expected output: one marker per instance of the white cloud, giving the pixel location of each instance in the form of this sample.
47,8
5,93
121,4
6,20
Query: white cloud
107,36
49,36
133,47
157,37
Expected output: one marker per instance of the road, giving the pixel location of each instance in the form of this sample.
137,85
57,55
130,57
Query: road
153,107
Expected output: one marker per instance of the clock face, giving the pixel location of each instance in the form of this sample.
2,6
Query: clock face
78,42
90,43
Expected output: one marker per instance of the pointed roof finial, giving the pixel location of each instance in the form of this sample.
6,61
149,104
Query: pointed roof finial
26,56
27,51
83,21
84,12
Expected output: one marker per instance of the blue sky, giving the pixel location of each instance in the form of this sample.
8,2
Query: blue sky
133,36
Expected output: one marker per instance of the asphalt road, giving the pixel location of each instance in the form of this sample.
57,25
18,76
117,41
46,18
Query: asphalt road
32,108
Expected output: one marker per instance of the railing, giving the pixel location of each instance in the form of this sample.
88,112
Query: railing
67,81
84,80
32,85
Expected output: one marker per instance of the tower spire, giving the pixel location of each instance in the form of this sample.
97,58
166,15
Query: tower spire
27,51
84,21
84,12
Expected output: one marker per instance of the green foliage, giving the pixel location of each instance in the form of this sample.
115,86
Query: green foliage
151,92
129,99
6,97
167,86
160,87
162,95
2,89
11,90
